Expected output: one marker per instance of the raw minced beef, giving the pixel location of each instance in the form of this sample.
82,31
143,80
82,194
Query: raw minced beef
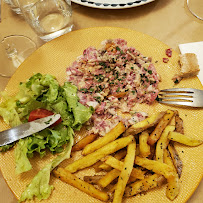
113,78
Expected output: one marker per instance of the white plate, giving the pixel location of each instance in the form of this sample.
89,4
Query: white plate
112,4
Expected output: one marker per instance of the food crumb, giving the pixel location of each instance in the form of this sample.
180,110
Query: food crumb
169,52
165,60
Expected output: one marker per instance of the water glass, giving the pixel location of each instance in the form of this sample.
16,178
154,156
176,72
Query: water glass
48,18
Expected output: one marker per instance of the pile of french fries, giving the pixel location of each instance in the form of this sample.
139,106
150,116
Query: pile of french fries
133,160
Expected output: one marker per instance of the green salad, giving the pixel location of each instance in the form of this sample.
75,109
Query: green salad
40,96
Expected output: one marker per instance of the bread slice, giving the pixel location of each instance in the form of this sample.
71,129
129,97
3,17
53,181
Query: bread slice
189,67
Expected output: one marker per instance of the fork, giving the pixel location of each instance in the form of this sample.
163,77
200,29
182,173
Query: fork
181,96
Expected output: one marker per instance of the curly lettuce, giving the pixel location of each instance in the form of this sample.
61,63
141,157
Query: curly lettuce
21,159
39,186
43,91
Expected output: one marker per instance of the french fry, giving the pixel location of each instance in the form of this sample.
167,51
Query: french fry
132,179
94,157
111,176
146,184
155,135
109,137
113,189
163,142
119,155
105,167
167,160
174,154
122,178
71,179
179,124
115,163
92,179
84,142
137,150
108,178
152,152
173,187
143,125
178,137
176,159
155,166
143,146
96,166
125,173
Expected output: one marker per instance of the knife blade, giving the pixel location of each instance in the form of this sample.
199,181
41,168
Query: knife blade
11,135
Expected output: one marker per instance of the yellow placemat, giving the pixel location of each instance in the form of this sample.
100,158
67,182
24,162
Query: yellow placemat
54,57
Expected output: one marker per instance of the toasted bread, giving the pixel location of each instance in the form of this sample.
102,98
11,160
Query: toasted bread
189,67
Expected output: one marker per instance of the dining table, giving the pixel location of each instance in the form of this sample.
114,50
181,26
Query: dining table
166,20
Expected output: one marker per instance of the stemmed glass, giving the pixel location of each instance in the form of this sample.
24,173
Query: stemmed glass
196,8
48,18
14,49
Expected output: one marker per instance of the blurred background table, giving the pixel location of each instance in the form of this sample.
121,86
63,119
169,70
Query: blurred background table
166,20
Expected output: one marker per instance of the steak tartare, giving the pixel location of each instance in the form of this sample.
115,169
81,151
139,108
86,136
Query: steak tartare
113,78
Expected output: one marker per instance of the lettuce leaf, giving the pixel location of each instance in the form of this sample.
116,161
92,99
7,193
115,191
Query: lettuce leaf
52,139
39,186
8,110
43,91
35,93
21,159
52,86
58,137
70,94
81,115
36,144
6,147
61,107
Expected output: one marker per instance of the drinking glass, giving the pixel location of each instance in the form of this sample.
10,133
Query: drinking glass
48,18
196,8
14,49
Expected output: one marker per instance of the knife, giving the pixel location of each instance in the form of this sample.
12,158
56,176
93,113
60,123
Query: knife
27,129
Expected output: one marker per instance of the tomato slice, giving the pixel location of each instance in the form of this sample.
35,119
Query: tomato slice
41,113
169,52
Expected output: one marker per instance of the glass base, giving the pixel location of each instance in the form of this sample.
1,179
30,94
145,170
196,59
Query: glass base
14,5
17,10
14,50
56,34
196,8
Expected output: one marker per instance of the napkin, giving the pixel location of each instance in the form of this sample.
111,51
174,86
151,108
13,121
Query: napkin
196,48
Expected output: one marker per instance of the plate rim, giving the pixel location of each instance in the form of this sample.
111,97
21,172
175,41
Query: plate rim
102,5
127,29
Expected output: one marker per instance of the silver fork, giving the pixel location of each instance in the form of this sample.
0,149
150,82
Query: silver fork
181,96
